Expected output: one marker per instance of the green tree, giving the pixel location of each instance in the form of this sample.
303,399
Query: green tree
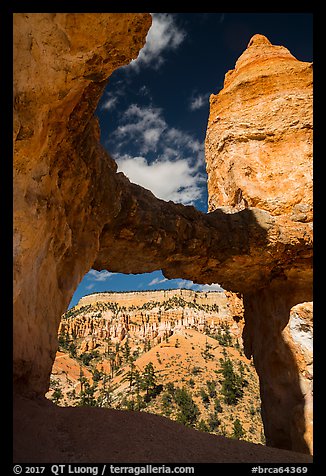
170,388
231,384
167,402
188,411
207,354
126,351
202,426
204,396
86,357
227,335
72,350
97,375
149,380
57,394
105,398
63,339
139,403
213,422
238,431
217,406
86,394
211,386
130,377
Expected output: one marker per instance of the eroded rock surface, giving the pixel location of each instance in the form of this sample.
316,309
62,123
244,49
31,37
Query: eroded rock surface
259,154
259,137
72,211
61,174
299,336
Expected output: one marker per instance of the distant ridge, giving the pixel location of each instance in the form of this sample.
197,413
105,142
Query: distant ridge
130,298
153,291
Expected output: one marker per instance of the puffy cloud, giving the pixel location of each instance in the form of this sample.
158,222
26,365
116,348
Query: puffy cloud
157,281
198,102
199,287
145,124
110,103
167,179
176,173
98,276
163,36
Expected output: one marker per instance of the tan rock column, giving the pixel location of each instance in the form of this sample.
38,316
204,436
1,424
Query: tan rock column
259,154
284,405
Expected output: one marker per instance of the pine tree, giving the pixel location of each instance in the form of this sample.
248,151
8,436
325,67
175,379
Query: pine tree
213,422
217,406
86,395
211,386
231,384
57,394
204,396
207,354
238,431
129,376
167,402
202,426
106,392
149,381
126,351
188,410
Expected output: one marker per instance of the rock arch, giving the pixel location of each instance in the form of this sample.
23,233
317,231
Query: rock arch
73,211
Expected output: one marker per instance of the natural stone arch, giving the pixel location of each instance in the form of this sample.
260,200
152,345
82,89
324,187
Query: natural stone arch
72,211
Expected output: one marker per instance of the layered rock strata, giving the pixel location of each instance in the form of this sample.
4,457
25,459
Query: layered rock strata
138,298
150,316
72,211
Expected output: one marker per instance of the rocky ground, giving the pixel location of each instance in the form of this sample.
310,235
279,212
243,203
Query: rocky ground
44,432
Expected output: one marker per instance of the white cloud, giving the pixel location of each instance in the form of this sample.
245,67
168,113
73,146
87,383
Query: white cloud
157,281
198,102
98,276
177,173
110,103
168,180
163,36
209,287
199,287
144,123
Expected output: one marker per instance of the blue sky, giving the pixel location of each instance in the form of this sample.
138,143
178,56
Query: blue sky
153,113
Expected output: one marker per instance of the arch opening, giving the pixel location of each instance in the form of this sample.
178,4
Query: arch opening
167,347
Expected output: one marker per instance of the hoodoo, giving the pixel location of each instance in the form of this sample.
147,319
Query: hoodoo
73,211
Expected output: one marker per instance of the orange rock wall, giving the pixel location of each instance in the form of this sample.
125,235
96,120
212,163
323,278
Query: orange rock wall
259,154
259,136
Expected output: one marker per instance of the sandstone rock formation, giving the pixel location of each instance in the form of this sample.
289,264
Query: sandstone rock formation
138,298
259,154
150,315
259,136
61,173
72,211
299,336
